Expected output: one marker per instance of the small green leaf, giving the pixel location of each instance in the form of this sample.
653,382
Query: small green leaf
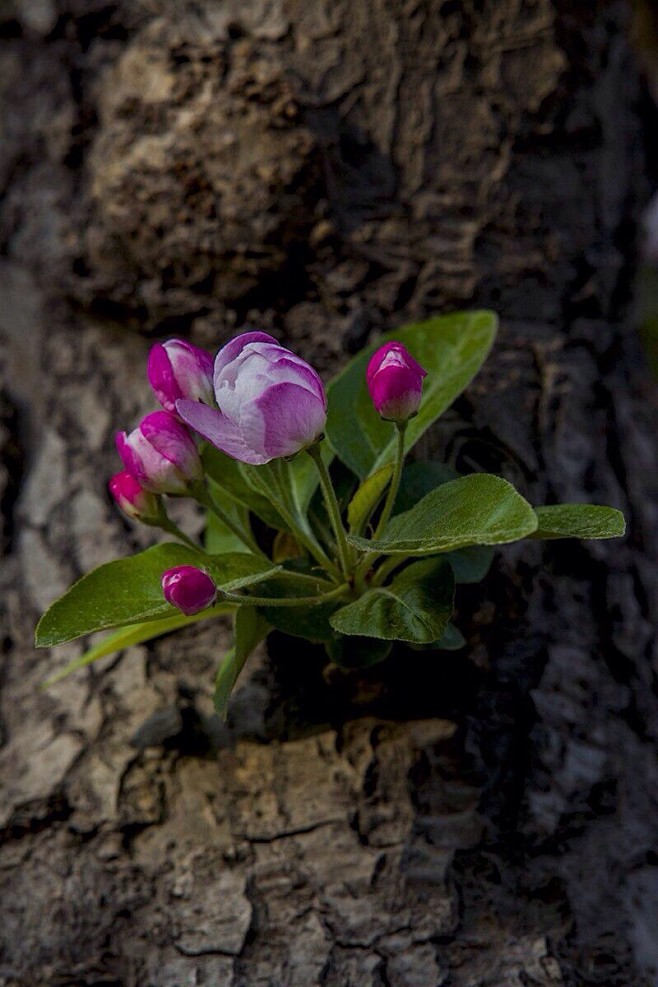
367,497
471,564
218,537
451,348
129,590
355,652
128,637
415,607
452,639
419,479
240,483
579,521
250,629
310,623
475,510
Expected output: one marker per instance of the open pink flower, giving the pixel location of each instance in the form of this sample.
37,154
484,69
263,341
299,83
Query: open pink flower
395,382
133,499
271,403
177,369
188,588
161,454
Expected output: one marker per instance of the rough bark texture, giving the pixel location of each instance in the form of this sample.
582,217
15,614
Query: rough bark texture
326,170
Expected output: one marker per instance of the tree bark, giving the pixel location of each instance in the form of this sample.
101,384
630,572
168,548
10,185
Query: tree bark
326,171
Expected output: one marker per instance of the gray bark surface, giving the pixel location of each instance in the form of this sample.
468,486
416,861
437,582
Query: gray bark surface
325,171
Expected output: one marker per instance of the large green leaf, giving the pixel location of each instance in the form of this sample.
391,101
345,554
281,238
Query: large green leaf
451,348
129,590
475,510
133,634
250,629
579,521
415,607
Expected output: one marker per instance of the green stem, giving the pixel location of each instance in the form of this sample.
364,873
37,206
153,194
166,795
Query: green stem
387,567
303,537
401,428
333,509
286,601
201,493
303,577
168,525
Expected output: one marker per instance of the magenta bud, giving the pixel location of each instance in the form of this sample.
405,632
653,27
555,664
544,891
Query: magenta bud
177,369
188,589
161,454
133,499
271,403
395,382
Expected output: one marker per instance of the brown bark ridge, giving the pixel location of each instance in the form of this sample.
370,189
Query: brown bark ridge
327,170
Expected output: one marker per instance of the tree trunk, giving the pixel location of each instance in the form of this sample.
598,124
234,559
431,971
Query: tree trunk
325,171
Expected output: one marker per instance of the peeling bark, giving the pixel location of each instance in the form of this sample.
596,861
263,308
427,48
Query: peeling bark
326,171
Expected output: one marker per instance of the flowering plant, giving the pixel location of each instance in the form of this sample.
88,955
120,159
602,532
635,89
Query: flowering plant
254,435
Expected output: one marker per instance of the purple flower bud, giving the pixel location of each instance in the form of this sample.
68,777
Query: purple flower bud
188,588
271,403
161,454
395,382
177,369
133,499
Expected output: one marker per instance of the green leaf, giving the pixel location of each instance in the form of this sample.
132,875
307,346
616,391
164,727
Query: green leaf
310,623
129,590
250,629
419,479
355,652
218,537
452,639
367,497
415,607
128,637
451,348
579,521
303,477
471,564
241,484
475,510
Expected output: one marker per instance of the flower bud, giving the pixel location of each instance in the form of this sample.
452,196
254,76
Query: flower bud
272,404
133,499
161,454
177,369
188,588
395,382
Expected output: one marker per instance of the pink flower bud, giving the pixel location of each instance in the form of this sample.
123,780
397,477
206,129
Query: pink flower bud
176,369
271,403
188,588
133,499
395,382
161,454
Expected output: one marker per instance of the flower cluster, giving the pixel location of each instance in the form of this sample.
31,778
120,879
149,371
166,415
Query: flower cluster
253,436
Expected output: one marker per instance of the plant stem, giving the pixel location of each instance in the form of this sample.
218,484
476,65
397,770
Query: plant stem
303,577
205,498
333,509
401,428
304,538
387,567
168,525
286,601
